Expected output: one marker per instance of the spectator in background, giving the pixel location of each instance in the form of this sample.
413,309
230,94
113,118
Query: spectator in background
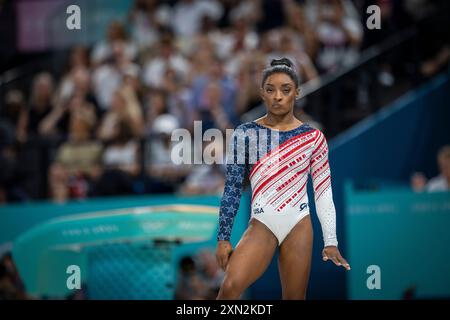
7,159
79,60
125,107
208,177
442,181
187,16
239,38
245,37
248,12
227,6
211,111
164,174
157,104
289,48
211,273
120,161
14,113
77,163
418,182
163,101
147,17
299,41
339,33
77,78
103,50
271,14
41,102
225,93
248,79
304,37
11,286
56,123
268,43
201,56
110,76
167,58
190,285
7,289
16,172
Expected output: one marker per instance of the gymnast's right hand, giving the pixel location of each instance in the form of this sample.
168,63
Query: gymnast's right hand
223,253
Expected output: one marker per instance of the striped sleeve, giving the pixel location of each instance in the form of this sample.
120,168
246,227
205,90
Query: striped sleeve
323,195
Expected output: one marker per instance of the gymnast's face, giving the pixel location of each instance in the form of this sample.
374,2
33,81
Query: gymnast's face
279,93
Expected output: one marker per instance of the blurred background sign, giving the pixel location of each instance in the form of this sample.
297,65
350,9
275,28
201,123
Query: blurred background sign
42,24
406,235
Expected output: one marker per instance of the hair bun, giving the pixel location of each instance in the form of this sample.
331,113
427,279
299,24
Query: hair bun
282,62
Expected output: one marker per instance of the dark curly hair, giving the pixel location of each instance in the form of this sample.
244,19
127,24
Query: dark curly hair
283,65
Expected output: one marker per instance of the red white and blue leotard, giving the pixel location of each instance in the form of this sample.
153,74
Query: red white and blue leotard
278,176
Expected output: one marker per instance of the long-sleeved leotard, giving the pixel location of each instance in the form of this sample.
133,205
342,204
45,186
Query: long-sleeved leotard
277,164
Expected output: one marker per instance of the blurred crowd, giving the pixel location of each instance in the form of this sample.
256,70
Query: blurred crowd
106,122
103,127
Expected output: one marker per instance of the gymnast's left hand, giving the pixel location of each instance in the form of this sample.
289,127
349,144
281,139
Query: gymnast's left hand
332,253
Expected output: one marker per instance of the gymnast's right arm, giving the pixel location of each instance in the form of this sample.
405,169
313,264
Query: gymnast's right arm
230,203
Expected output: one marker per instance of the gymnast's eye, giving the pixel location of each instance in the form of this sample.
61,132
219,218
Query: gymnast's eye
269,90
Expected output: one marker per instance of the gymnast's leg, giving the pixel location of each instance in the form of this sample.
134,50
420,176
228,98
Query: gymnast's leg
249,260
294,261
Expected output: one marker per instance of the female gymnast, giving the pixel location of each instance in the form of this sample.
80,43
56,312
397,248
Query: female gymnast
279,206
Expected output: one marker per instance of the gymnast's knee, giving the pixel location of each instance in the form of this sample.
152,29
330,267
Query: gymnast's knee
230,289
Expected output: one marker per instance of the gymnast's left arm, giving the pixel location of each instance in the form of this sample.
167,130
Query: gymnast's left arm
323,196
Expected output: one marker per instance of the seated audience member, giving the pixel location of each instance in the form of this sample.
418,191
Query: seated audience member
120,161
418,182
442,181
163,172
77,161
190,284
208,177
